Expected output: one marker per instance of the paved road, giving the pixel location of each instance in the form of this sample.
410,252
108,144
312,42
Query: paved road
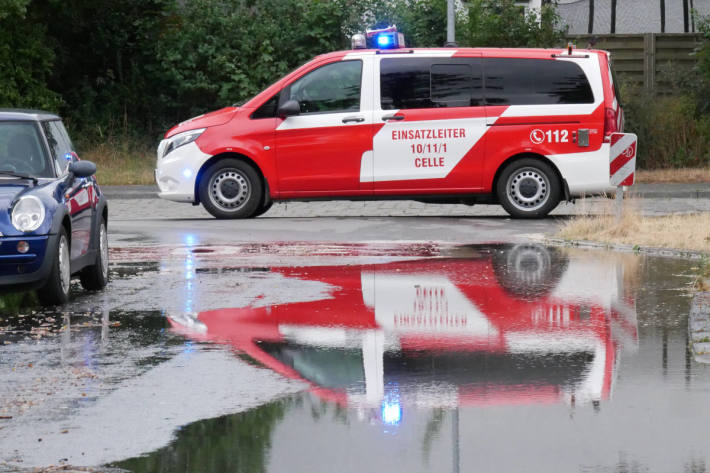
105,377
139,217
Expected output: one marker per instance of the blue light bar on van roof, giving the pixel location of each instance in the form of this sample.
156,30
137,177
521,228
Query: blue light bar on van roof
386,38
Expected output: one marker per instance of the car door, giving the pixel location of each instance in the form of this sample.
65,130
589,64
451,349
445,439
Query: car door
431,120
320,151
80,194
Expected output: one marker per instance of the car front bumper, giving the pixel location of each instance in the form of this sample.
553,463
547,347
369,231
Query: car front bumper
30,270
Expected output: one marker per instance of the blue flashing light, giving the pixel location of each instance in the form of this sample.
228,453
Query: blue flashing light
385,40
187,173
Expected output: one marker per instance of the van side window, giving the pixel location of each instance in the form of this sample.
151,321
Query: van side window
268,109
332,88
430,83
519,81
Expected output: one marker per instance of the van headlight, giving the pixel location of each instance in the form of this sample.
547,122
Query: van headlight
181,139
28,214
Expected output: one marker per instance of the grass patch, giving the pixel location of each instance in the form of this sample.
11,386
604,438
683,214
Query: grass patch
673,175
684,232
121,162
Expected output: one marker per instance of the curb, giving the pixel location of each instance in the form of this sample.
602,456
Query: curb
699,327
151,192
130,192
690,194
645,250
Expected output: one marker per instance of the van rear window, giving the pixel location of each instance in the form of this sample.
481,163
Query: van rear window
519,81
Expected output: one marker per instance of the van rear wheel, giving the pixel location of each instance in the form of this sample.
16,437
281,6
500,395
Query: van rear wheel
528,188
231,188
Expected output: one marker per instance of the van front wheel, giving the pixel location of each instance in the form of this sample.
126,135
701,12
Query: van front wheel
231,189
528,188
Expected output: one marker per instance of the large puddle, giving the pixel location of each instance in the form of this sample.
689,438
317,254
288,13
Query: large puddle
493,358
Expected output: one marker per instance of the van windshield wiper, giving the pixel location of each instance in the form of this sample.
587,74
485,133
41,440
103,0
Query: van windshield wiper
19,175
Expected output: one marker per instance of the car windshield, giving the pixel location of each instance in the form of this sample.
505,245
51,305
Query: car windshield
21,150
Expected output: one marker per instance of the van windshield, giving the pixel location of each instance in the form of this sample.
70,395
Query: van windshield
21,150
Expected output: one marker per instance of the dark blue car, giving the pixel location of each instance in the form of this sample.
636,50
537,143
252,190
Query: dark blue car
53,215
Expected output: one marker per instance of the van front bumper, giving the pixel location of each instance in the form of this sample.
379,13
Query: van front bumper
176,173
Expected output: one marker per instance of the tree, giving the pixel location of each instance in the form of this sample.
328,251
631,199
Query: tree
105,59
502,23
25,59
217,52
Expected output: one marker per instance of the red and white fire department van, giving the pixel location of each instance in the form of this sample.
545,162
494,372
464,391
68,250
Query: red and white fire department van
525,128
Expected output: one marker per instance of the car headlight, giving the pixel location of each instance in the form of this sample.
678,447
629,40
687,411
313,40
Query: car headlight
181,139
28,214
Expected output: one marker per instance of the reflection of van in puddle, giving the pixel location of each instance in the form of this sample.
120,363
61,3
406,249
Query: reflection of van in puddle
521,324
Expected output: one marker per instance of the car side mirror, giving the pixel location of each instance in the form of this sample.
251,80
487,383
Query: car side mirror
288,109
82,168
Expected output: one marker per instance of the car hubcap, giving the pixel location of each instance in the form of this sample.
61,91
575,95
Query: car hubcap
64,270
528,189
229,190
103,248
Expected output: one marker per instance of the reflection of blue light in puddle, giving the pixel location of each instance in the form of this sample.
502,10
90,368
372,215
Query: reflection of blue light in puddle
188,348
190,240
391,408
189,264
391,412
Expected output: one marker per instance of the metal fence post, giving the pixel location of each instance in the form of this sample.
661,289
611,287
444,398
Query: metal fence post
649,60
450,23
619,203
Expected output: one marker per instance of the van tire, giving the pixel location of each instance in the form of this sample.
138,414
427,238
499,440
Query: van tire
231,188
528,188
263,209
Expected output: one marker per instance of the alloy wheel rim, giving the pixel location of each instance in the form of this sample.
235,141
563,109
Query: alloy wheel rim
528,189
64,270
229,190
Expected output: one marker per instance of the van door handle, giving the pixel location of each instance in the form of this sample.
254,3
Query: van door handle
392,117
353,119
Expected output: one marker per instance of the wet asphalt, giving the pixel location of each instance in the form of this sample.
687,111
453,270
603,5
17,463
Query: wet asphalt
379,337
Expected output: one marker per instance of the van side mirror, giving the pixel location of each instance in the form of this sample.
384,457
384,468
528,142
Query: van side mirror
289,109
82,168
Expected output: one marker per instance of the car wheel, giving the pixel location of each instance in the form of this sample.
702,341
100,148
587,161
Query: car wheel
528,188
56,290
231,189
95,277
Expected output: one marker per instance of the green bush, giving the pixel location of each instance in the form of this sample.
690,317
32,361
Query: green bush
671,133
25,59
